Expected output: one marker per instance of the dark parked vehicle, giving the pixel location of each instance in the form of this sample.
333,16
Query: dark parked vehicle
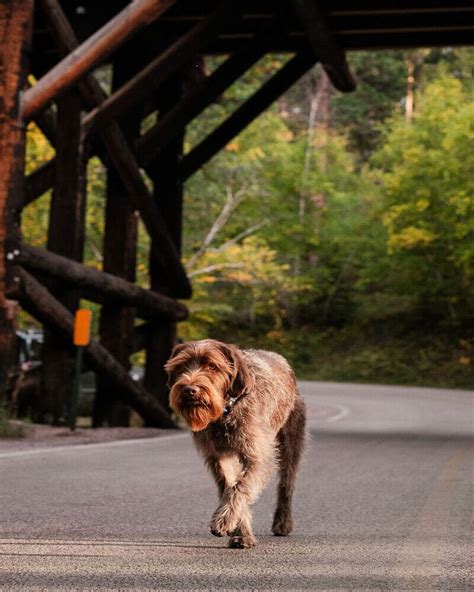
25,379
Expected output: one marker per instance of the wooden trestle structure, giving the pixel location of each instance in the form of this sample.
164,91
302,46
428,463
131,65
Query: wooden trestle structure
152,45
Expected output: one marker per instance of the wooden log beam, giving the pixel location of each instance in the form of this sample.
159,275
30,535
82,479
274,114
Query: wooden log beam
149,304
121,227
322,42
246,113
16,17
163,249
168,195
90,53
46,121
140,337
193,103
42,305
124,162
38,182
157,138
65,238
67,211
158,70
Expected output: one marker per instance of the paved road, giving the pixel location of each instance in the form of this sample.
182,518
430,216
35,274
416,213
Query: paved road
383,503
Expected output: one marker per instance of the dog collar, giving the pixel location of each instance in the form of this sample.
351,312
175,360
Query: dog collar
230,405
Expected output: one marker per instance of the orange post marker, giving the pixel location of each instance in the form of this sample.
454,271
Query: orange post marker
82,327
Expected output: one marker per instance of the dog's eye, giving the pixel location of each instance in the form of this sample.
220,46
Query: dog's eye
211,366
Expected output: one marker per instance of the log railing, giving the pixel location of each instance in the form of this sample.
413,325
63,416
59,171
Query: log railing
100,285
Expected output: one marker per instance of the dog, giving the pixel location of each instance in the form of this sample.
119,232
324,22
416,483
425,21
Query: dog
247,417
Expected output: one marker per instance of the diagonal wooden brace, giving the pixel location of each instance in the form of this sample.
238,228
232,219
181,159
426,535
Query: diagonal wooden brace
323,44
42,305
193,103
149,79
246,113
123,160
94,50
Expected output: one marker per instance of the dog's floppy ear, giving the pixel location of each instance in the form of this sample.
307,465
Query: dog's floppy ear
242,379
179,347
171,363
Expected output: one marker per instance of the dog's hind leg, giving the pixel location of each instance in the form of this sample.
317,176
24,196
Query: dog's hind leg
290,447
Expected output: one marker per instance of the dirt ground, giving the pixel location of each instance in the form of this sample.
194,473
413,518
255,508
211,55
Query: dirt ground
43,436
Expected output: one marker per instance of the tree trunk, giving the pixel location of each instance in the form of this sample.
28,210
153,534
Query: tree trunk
414,61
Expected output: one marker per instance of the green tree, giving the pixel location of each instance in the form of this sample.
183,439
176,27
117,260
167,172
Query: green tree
381,87
428,186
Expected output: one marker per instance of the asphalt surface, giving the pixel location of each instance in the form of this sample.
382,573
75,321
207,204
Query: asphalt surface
383,502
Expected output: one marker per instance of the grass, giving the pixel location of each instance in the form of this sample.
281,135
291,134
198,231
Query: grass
416,356
418,364
9,429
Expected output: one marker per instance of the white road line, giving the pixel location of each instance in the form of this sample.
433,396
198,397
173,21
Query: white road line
343,412
74,447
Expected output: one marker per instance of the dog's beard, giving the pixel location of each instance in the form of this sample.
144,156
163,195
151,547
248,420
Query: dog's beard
198,418
205,409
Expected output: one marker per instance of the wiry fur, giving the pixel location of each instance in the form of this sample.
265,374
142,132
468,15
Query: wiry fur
264,427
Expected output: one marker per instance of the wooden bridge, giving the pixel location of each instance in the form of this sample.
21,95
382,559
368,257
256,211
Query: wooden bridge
49,51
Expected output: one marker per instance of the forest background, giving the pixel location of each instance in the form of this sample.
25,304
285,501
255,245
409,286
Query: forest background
336,229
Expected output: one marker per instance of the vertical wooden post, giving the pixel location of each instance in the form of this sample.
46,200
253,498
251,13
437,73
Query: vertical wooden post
120,245
16,18
65,237
168,193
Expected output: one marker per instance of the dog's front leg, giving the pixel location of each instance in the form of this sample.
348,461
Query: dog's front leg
243,537
232,516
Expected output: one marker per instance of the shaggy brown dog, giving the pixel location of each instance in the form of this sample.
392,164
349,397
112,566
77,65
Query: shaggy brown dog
247,416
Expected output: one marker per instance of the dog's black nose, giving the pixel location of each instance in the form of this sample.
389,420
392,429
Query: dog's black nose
190,391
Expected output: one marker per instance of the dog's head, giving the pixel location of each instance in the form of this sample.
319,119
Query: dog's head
203,375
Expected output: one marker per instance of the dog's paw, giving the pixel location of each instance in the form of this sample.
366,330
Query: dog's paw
217,532
224,522
242,542
282,526
219,526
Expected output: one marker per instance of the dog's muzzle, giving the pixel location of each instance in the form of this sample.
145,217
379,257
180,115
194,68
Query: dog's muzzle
190,397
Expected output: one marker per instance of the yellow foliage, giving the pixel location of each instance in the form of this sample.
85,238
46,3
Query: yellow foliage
422,204
255,153
207,279
232,146
394,213
286,135
38,149
409,238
